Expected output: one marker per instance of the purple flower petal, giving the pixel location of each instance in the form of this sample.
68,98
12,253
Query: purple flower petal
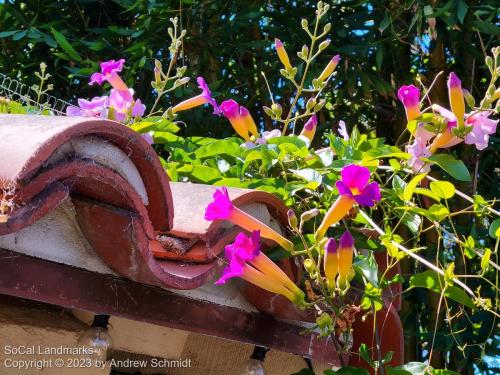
73,111
244,247
331,246
409,96
235,269
369,195
355,176
343,189
230,109
208,95
138,109
346,240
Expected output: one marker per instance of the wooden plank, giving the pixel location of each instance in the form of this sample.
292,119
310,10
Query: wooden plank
70,287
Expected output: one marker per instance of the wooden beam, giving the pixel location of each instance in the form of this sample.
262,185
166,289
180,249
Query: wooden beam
58,284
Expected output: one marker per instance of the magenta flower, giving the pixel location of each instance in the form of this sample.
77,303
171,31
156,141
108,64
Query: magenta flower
353,188
243,250
244,247
93,108
354,184
482,128
246,261
410,97
221,207
204,98
109,73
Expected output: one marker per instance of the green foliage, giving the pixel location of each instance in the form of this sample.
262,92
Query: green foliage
416,222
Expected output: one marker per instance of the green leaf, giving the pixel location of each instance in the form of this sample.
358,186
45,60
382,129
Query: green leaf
444,372
455,168
386,21
65,45
155,123
485,260
410,188
443,189
495,229
219,147
201,173
427,193
461,10
287,139
430,280
414,368
368,267
351,371
308,174
395,371
438,212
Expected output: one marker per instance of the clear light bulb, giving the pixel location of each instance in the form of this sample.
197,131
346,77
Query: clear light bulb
97,339
255,365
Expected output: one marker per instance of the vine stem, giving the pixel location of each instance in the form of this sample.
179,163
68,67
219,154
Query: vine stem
415,256
457,192
466,197
301,86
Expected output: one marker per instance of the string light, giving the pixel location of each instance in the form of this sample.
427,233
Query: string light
255,365
98,339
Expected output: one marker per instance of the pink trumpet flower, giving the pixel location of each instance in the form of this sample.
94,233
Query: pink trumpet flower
221,208
353,188
93,108
482,128
419,149
204,98
109,73
246,261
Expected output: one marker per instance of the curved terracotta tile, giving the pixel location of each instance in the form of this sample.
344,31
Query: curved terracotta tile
28,141
39,157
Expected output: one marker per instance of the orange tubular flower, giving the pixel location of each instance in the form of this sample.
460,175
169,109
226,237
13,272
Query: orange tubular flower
446,138
283,56
233,112
331,263
223,209
248,121
329,69
456,97
310,128
345,253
